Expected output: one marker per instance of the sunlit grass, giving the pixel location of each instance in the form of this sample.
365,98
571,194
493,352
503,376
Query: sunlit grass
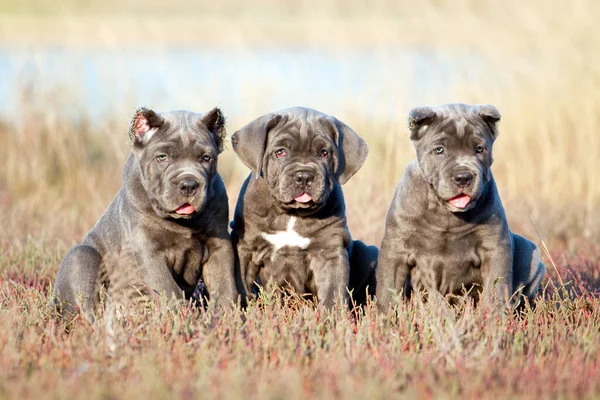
287,348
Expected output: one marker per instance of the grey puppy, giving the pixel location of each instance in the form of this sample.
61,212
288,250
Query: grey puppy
290,225
446,229
171,212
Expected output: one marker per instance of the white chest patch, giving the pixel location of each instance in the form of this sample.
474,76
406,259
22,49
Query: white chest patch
289,237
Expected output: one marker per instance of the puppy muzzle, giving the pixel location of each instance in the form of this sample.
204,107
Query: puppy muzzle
186,196
459,188
303,187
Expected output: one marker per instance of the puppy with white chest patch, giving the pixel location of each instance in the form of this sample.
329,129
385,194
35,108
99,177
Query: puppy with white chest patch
446,229
290,227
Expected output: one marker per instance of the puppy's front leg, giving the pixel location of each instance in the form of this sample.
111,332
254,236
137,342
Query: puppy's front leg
246,271
218,271
331,274
158,277
392,271
496,268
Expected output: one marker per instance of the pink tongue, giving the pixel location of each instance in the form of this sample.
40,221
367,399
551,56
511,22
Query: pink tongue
185,209
460,201
303,198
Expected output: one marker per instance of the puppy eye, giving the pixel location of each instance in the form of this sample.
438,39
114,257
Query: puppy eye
324,153
438,150
479,149
161,158
280,153
206,158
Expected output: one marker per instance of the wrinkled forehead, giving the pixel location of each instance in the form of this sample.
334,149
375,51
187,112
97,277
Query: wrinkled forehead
185,127
458,123
300,131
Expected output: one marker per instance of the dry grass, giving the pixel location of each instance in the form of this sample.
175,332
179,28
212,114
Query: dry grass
57,176
289,350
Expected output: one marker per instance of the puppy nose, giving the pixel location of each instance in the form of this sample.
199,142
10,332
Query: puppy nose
462,178
303,178
188,187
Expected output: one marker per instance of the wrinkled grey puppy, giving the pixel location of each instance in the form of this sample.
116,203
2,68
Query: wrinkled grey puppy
171,211
290,225
446,228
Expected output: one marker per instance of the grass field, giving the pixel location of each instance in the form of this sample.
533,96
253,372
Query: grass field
58,174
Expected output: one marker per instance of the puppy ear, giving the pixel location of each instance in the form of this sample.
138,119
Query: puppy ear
144,124
419,118
352,150
250,142
491,116
214,120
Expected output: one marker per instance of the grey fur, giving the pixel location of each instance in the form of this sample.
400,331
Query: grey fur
286,243
430,243
173,251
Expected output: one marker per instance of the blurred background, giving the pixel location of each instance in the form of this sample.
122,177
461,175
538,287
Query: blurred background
72,72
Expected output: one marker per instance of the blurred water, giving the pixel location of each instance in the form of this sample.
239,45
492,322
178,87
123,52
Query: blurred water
97,82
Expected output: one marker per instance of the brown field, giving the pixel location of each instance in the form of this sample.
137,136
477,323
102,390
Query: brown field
58,175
